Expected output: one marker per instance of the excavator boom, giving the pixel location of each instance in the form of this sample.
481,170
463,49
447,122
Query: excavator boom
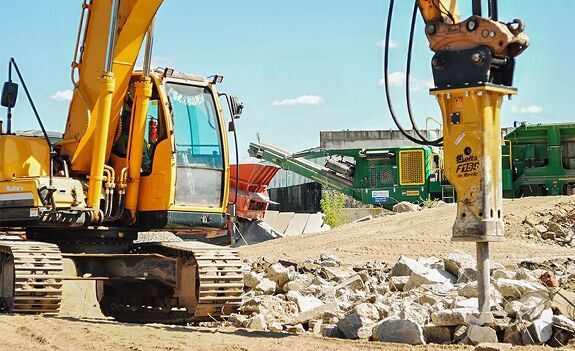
134,19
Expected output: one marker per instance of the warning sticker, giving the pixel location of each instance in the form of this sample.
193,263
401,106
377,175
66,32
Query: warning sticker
459,138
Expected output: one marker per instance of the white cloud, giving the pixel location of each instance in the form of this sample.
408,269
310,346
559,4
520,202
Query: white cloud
63,95
397,79
300,100
392,44
420,84
531,110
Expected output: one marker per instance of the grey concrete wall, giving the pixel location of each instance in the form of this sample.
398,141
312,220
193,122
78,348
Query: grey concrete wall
369,139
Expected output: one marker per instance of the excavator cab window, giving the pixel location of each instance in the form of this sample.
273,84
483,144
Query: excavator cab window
198,139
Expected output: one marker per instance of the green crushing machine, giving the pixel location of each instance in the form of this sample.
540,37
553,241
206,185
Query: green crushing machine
539,160
373,176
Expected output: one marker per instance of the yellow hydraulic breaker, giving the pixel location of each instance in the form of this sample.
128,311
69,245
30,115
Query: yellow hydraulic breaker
472,149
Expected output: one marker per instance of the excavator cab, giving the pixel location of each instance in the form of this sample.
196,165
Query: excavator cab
184,143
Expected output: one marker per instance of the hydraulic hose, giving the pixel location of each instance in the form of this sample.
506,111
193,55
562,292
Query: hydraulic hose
437,142
386,80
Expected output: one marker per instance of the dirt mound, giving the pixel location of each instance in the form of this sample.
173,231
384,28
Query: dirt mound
422,233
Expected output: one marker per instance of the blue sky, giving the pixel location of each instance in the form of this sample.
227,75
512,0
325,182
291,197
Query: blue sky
300,66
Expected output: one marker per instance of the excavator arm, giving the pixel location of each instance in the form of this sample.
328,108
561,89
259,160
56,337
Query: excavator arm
94,50
107,49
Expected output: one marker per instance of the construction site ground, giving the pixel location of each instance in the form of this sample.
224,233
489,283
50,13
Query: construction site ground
80,325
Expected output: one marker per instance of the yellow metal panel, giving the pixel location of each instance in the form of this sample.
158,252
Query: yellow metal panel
23,157
21,187
69,192
411,167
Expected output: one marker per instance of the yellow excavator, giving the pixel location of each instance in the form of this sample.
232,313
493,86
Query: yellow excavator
143,152
473,66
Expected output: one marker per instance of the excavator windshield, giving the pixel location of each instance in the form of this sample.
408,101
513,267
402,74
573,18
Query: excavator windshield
199,155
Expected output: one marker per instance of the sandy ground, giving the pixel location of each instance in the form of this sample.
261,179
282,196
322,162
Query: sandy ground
423,233
80,325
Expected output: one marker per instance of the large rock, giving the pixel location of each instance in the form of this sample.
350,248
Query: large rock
336,273
431,262
542,328
327,260
295,329
511,288
317,312
359,323
299,282
405,331
280,274
257,322
462,265
355,282
367,311
557,229
453,317
529,307
405,206
472,302
478,335
304,303
564,323
471,290
438,334
331,331
503,274
238,320
273,307
275,327
428,276
410,310
252,279
405,267
266,287
516,333
315,327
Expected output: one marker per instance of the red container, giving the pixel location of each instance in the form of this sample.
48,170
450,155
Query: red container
253,198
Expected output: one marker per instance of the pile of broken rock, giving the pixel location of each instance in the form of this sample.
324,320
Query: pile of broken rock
554,225
428,300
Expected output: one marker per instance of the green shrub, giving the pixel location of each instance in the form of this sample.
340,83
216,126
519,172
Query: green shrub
430,203
331,205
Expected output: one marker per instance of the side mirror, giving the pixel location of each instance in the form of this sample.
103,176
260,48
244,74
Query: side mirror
9,94
237,107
